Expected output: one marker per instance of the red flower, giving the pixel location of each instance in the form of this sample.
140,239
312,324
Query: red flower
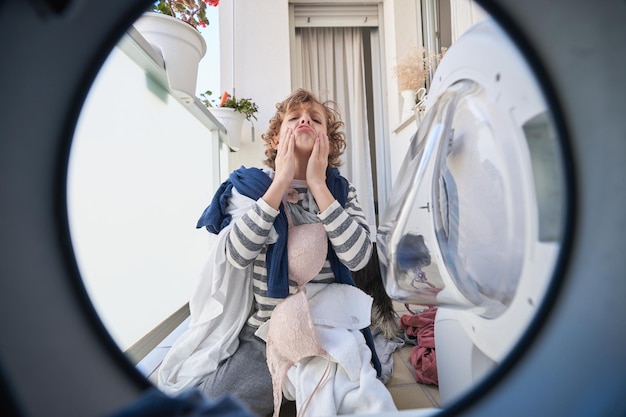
213,2
225,96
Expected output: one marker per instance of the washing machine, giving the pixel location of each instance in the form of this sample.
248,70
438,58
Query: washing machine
476,222
567,359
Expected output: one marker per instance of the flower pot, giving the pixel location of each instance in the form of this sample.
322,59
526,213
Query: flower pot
181,46
408,102
233,122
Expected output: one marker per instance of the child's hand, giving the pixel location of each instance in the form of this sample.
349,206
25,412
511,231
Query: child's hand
284,169
318,161
284,163
316,172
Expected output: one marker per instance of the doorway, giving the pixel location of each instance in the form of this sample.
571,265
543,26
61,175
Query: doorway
336,53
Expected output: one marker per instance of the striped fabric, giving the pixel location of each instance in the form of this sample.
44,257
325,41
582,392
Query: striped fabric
346,228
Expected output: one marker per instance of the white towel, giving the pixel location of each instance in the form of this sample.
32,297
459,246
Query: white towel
347,381
219,309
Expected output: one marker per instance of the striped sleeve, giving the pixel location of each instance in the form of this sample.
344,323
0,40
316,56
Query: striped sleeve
249,233
348,231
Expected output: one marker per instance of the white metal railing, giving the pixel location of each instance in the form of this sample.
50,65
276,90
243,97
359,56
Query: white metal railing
142,168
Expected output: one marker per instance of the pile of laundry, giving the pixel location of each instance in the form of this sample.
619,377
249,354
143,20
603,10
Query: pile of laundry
420,330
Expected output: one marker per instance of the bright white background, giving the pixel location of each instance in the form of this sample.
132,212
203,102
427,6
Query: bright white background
139,177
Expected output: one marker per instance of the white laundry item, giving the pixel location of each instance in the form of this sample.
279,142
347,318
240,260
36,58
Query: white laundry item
340,379
218,309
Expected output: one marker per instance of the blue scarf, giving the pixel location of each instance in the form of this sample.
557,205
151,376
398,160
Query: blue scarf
253,183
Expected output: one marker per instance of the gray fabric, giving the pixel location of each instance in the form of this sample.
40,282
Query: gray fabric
385,349
298,215
244,376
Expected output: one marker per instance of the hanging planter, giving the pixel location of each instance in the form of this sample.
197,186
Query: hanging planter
181,46
231,111
233,122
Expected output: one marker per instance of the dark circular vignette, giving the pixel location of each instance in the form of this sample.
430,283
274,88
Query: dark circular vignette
109,42
516,33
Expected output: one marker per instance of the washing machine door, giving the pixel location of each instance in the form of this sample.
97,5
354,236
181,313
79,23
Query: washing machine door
482,193
56,359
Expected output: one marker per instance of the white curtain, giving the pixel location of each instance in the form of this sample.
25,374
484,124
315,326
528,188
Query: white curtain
333,68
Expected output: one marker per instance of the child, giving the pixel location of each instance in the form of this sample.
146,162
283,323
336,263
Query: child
277,289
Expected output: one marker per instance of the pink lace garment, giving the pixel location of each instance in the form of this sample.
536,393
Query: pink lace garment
291,335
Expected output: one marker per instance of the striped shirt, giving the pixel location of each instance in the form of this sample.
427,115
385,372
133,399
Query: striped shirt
346,228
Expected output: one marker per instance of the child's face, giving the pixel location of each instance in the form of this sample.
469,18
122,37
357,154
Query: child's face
307,121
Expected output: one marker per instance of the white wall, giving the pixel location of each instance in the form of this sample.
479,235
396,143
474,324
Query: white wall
262,59
140,174
464,13
261,66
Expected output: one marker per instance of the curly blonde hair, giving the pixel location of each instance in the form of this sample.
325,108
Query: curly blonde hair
336,136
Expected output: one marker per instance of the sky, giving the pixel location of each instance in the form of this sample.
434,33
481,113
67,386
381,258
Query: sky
209,69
